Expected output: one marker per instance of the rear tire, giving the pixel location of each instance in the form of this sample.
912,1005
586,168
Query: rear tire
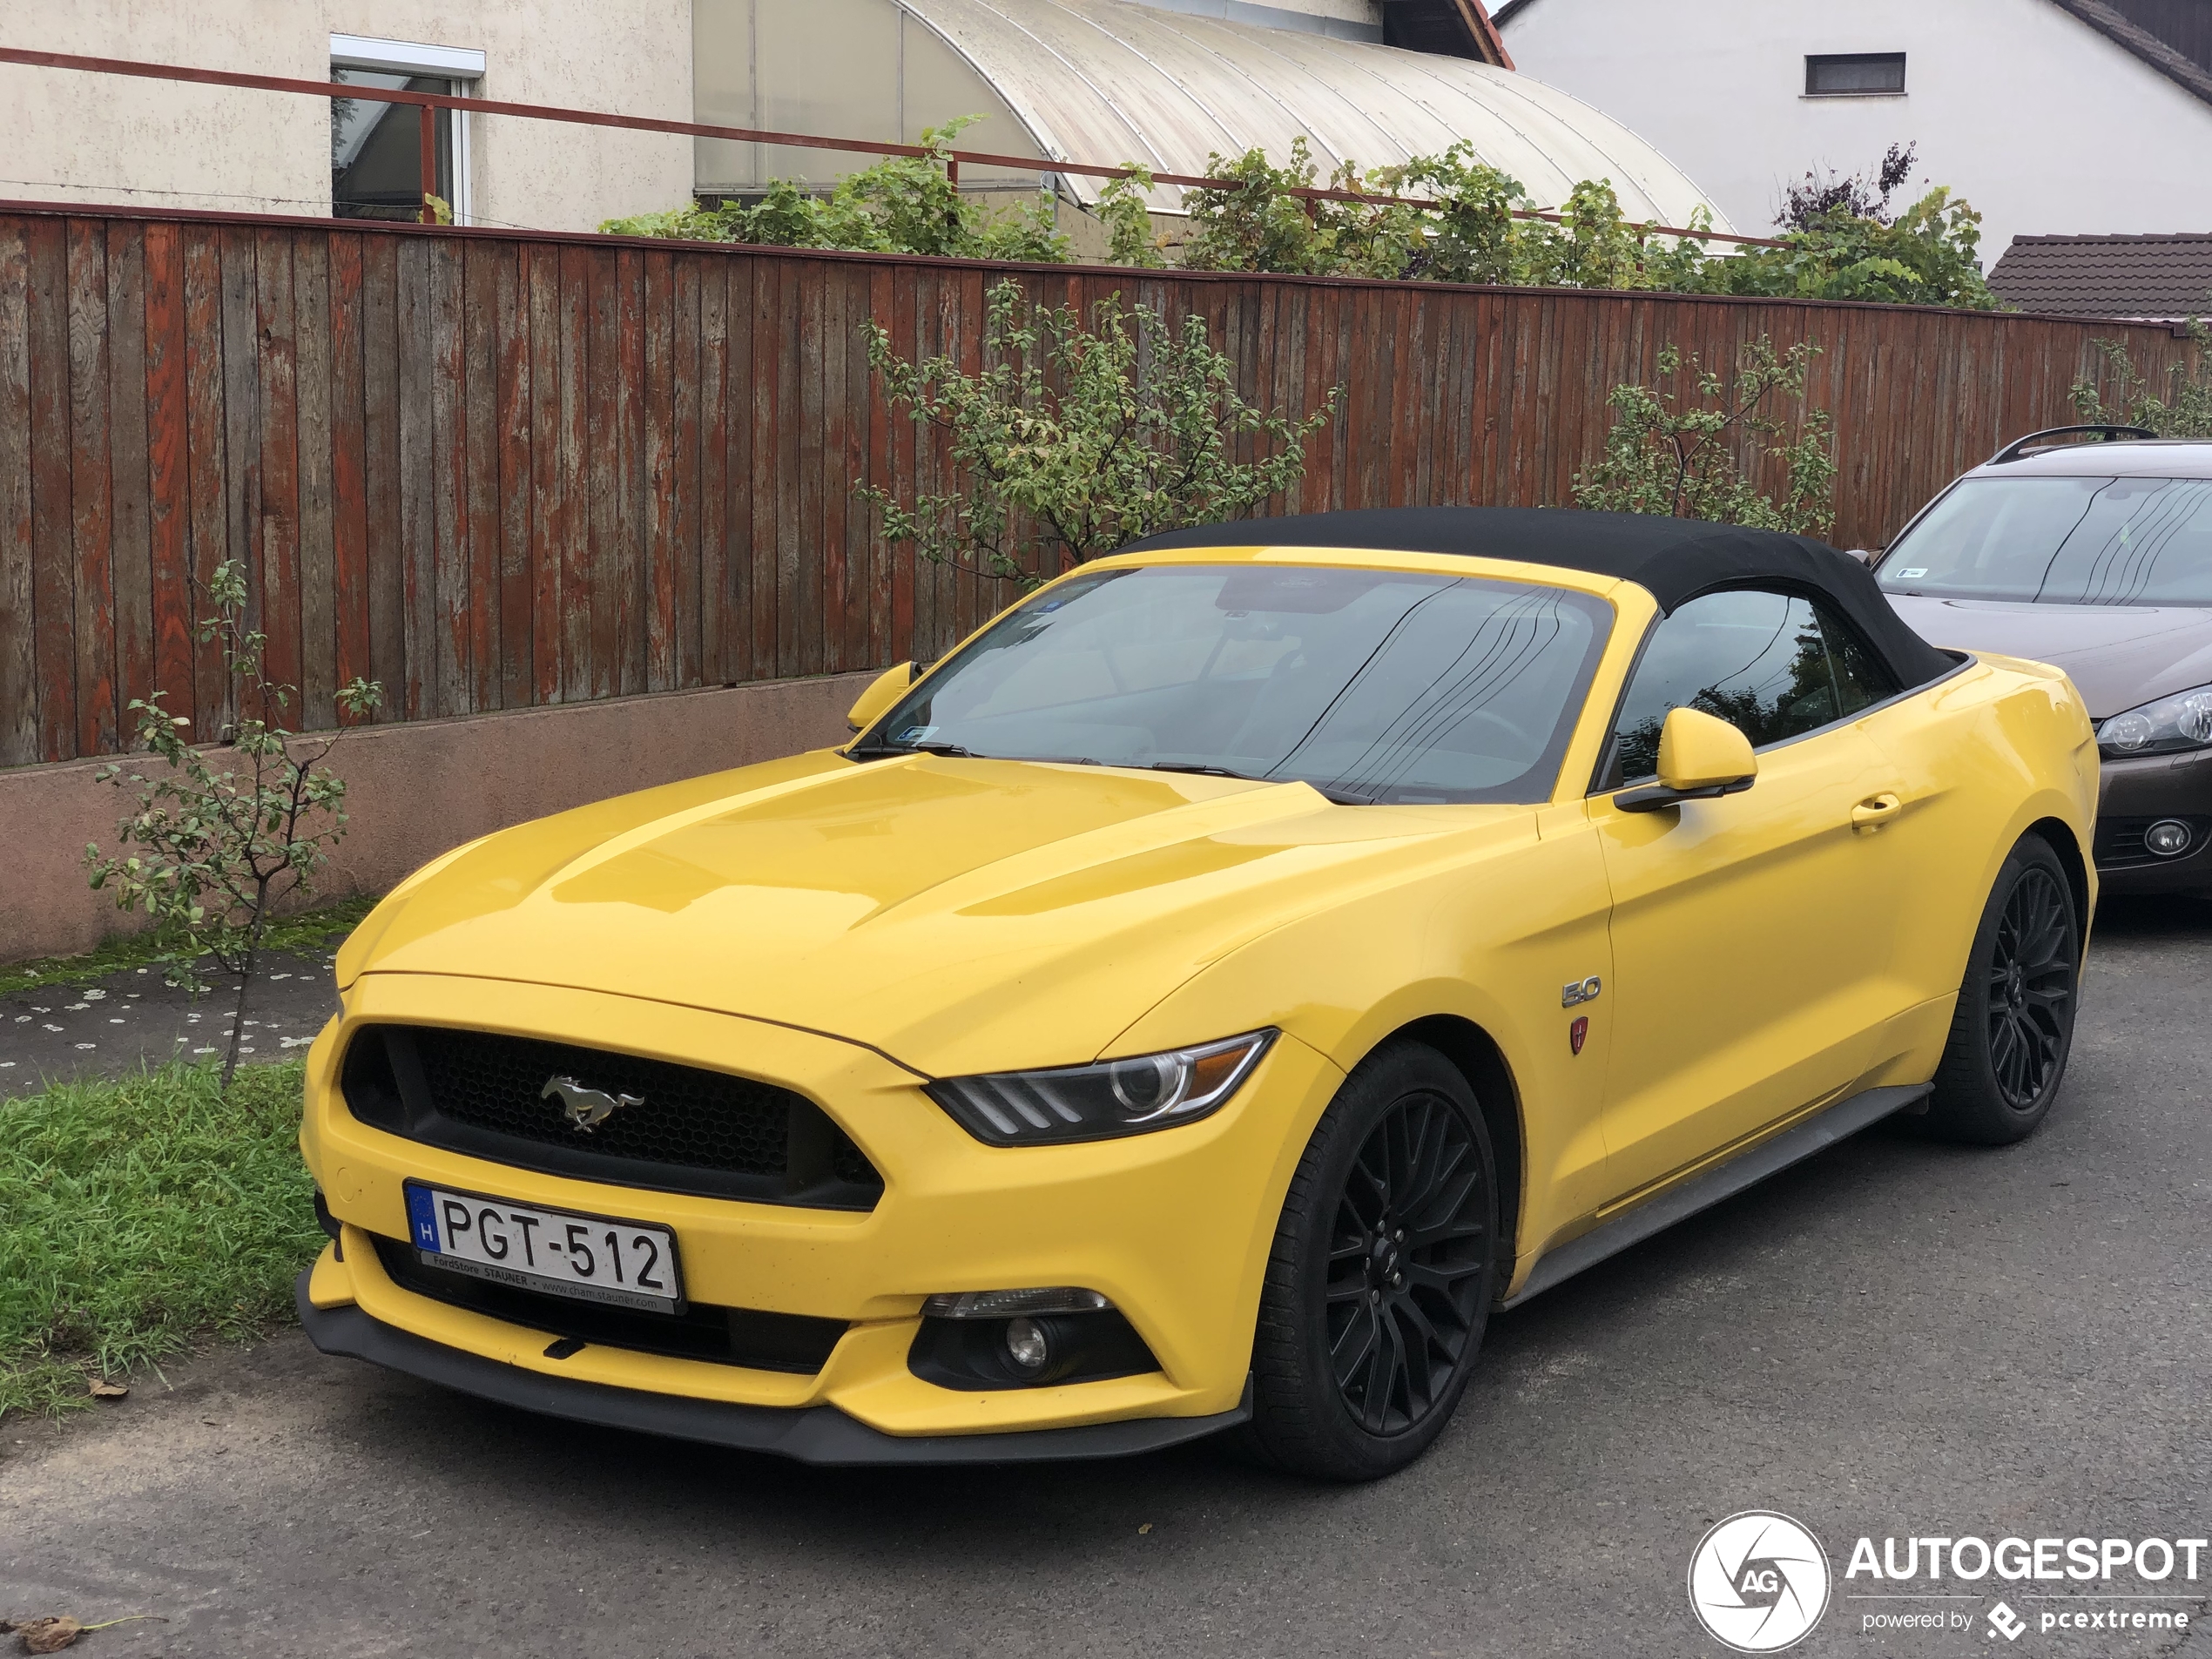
2013,1028
1381,1278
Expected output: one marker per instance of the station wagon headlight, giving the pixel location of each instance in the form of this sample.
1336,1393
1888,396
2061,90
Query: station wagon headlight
1112,1097
2181,721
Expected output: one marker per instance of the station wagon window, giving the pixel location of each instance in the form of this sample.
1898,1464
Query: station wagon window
1372,685
2097,540
1774,665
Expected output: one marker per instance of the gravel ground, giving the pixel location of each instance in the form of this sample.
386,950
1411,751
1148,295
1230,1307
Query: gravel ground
62,1032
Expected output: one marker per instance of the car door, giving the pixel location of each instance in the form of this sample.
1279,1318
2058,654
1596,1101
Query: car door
1752,934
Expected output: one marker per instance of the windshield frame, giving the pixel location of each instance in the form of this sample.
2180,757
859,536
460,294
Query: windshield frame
1594,595
1883,557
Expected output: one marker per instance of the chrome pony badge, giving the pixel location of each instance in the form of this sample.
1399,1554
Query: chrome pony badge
587,1107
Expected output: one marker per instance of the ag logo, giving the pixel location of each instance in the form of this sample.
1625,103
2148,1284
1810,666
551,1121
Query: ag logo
1758,1582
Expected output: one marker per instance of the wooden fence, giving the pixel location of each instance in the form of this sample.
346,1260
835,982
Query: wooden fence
496,471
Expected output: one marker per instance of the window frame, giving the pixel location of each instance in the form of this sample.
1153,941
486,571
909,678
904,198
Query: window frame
1608,757
1814,60
460,67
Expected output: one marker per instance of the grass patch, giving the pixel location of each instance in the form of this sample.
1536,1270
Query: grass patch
141,1216
304,932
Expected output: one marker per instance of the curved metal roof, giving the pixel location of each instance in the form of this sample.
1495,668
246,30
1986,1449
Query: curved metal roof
1106,81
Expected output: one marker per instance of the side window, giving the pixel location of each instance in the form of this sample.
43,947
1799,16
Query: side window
1774,665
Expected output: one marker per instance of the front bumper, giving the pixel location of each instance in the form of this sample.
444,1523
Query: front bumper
2145,789
1173,1226
812,1434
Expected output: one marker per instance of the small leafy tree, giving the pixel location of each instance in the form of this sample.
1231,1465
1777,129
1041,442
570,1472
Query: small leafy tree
1672,456
216,850
1076,437
2184,412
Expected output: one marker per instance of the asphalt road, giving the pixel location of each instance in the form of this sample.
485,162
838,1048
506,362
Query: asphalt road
1893,1338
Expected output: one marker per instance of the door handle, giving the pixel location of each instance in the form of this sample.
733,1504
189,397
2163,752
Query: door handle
1874,812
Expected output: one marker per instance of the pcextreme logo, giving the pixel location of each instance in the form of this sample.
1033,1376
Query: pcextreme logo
1758,1582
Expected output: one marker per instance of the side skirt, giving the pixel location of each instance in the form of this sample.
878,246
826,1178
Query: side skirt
1844,1119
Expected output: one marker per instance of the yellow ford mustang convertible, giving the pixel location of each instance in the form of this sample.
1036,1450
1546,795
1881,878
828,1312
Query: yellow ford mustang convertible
1197,1001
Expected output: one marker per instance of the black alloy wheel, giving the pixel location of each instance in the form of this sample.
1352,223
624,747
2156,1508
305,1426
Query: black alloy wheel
2031,988
1383,1271
1410,1248
2012,1027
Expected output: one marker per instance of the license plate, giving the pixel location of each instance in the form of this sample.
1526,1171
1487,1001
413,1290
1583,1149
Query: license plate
593,1259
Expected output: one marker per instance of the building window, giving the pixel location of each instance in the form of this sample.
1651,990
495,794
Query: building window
376,148
1855,75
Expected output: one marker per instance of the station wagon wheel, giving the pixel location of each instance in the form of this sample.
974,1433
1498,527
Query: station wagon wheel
2013,1026
1382,1274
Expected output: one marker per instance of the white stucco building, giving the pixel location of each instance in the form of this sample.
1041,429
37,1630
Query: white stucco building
68,136
2049,116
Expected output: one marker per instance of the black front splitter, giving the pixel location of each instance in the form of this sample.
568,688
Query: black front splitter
819,1434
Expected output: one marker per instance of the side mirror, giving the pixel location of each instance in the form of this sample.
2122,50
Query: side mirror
885,690
1699,758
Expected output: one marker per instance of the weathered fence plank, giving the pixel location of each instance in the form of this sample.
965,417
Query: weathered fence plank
495,471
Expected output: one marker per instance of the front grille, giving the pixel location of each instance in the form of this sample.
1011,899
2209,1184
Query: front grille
683,1129
723,1335
2120,840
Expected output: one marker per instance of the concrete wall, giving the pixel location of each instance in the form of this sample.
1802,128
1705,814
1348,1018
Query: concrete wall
414,790
67,136
2043,123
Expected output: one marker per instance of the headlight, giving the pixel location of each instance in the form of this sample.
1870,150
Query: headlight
1112,1097
2181,721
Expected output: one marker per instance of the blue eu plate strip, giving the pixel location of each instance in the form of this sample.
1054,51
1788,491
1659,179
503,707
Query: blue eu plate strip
424,1215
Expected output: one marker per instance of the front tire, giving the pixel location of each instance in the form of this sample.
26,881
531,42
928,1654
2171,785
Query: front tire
1381,1278
2013,1027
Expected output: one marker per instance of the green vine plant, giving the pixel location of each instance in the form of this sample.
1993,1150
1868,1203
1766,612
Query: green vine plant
1679,456
1460,220
1077,435
902,204
210,855
2184,412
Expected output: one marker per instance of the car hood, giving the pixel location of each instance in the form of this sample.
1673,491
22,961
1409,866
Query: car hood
2119,655
959,915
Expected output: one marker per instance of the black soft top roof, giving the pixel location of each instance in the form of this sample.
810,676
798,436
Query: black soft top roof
1676,558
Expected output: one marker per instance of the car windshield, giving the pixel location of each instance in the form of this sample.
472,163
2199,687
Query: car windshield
1372,685
2061,541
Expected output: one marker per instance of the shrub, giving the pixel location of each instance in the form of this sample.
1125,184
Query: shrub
902,204
1662,456
1074,438
1925,258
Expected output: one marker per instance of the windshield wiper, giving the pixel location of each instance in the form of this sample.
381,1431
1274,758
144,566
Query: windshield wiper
1334,797
1203,771
880,750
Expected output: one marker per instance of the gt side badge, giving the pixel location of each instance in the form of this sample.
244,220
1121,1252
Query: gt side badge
1576,991
1578,1033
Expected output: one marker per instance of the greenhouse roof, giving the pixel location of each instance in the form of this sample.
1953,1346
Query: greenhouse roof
1106,81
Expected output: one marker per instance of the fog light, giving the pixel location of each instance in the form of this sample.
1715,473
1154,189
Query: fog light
1026,1345
2169,838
